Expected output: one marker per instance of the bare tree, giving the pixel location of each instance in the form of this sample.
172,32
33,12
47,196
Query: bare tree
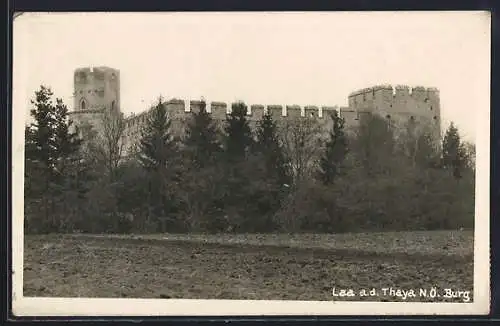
374,145
416,143
110,144
302,140
470,154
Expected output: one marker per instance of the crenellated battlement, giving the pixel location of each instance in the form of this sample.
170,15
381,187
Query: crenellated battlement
311,111
384,98
180,110
96,72
276,111
399,102
196,105
395,90
95,89
293,111
98,88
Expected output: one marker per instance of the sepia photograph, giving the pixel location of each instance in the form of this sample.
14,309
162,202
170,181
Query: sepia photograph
251,163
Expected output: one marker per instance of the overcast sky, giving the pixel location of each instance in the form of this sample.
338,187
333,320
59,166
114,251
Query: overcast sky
267,58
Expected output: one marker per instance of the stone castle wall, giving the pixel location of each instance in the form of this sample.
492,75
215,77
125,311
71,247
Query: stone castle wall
98,89
400,104
95,89
179,111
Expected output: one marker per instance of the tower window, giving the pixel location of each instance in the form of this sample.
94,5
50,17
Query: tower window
412,118
431,108
435,118
388,116
83,105
113,106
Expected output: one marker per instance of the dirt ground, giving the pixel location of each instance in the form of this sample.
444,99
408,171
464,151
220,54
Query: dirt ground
79,266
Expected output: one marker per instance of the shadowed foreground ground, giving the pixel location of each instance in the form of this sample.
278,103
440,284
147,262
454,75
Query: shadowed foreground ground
153,267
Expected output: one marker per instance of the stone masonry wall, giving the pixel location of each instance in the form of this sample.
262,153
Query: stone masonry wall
400,104
97,89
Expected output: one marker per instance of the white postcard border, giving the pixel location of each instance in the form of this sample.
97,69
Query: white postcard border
24,306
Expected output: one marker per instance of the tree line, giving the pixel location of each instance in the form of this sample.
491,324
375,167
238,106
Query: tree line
280,176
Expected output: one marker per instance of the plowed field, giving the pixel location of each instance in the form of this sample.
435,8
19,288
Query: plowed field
251,267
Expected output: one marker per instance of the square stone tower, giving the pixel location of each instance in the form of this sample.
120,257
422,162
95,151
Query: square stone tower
95,89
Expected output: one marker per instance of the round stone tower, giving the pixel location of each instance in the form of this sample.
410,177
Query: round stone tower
401,104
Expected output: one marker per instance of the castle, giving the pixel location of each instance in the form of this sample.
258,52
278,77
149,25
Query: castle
97,89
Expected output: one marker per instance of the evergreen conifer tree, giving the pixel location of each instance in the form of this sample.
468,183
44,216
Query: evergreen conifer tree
335,151
269,146
201,140
271,175
454,157
238,141
157,142
203,179
239,137
51,155
67,143
40,136
49,139
158,155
